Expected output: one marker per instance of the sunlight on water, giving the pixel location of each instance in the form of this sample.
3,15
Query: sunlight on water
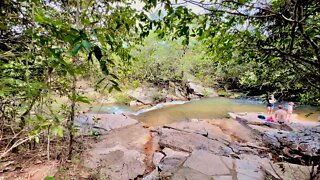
212,108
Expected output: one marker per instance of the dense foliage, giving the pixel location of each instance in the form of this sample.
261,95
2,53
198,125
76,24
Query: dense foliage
269,46
47,45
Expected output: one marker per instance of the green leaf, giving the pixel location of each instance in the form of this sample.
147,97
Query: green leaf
114,82
114,76
86,45
36,139
110,89
39,17
57,130
117,88
242,1
83,99
100,81
75,49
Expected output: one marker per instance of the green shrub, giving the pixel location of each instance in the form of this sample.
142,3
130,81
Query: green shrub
136,84
222,93
123,98
206,93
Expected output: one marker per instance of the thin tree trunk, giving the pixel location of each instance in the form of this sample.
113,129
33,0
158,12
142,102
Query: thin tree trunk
48,144
73,90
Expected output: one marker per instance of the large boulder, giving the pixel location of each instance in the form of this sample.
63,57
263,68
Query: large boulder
144,96
120,154
199,90
299,147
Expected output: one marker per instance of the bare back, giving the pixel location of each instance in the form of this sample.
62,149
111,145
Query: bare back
280,115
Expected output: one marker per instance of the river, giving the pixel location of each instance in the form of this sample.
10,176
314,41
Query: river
204,108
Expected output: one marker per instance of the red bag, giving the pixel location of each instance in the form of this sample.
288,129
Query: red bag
270,119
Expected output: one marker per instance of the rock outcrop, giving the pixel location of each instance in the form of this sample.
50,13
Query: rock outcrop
101,123
201,149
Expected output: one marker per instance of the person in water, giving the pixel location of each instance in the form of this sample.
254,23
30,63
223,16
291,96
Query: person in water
290,110
280,115
270,104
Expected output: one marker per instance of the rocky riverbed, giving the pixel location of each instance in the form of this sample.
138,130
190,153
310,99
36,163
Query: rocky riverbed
240,147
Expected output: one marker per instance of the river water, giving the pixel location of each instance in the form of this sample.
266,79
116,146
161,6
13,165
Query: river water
204,108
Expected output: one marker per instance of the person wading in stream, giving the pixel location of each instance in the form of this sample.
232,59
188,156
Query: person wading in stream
280,115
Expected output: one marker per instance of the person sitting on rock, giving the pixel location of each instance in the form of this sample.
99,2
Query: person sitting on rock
280,115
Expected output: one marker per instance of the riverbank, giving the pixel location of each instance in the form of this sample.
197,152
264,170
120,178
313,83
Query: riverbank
239,147
199,149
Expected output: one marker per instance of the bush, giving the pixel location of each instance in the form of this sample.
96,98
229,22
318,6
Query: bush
222,93
136,84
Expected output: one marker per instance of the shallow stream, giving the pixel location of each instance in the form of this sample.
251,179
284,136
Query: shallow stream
205,108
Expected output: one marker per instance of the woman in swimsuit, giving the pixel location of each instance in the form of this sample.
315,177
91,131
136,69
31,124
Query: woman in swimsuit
270,104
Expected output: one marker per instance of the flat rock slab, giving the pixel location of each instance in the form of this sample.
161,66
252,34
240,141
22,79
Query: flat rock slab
190,174
208,163
221,167
102,122
185,141
200,127
119,154
262,129
234,129
172,160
